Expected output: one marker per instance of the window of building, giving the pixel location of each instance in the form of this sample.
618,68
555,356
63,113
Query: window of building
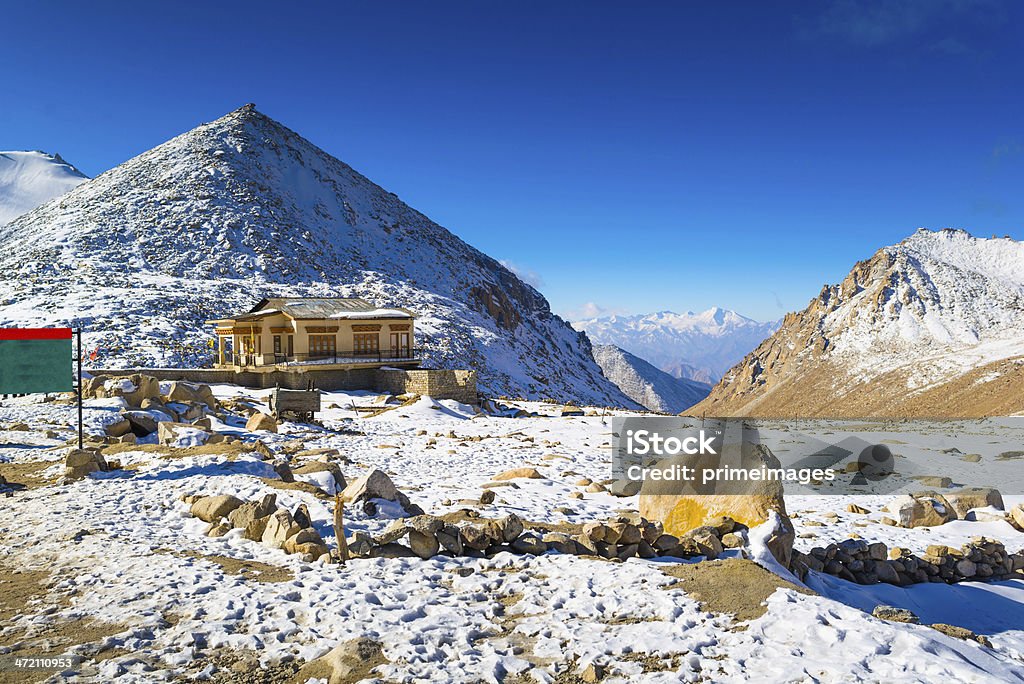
366,343
322,345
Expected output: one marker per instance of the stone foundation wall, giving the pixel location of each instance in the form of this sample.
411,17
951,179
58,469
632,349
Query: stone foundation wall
459,385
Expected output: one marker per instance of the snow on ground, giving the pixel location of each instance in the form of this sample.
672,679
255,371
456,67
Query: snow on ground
125,551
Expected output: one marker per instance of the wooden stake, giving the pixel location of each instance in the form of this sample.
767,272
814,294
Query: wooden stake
339,528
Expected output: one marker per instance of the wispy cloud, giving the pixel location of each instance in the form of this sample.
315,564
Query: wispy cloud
870,24
590,310
1007,150
526,275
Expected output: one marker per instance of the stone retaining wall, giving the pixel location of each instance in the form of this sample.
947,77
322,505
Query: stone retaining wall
459,385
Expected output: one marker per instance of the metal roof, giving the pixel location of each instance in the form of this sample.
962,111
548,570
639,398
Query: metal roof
318,307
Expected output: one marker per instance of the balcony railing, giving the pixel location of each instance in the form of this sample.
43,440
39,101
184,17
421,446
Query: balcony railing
323,358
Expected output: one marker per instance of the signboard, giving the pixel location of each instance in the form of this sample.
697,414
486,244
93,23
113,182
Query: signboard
35,360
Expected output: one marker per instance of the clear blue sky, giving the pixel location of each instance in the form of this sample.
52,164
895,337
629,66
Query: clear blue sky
631,156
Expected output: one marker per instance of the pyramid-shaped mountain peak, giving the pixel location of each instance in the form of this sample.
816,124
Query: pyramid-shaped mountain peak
242,208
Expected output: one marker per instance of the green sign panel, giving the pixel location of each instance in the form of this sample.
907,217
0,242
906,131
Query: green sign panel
35,360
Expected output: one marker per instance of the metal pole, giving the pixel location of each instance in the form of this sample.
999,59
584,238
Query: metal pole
80,389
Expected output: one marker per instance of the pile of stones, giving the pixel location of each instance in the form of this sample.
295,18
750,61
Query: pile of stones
261,521
623,537
858,561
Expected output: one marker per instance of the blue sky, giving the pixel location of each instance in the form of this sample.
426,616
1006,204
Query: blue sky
626,157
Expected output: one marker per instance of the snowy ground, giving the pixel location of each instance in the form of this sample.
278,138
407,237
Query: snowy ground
166,602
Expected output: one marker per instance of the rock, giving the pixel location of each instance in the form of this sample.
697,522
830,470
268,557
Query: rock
280,526
584,482
118,428
218,529
893,614
323,467
253,510
519,473
886,572
961,633
934,481
596,488
625,487
377,485
575,495
81,462
303,541
392,550
732,541
474,537
261,421
921,510
182,393
301,516
702,542
254,529
624,533
1016,516
593,673
450,540
213,508
180,434
487,497
854,508
350,661
684,506
963,500
886,520
529,544
966,568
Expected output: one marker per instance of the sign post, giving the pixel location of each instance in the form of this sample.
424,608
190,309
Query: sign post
39,360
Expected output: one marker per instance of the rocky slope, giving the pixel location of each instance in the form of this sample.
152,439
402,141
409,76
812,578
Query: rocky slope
698,346
932,326
206,224
31,179
645,384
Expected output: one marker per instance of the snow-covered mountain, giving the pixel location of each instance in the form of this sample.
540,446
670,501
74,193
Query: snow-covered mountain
932,326
643,383
208,223
697,346
31,179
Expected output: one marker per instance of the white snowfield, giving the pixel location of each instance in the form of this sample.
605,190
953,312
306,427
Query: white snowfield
31,179
126,551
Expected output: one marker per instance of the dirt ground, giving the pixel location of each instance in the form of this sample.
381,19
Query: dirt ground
732,585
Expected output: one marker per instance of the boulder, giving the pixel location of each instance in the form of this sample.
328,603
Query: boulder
334,469
280,527
261,421
146,387
682,506
305,541
519,473
213,508
142,423
893,614
963,500
377,485
180,434
253,510
80,462
254,530
529,544
423,544
925,509
183,393
118,428
1016,516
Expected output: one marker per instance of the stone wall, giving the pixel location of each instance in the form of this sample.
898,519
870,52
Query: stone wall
459,385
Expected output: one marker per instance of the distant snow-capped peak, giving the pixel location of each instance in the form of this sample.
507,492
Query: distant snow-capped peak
698,346
31,179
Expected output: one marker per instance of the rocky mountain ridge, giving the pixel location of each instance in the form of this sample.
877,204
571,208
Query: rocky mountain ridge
211,221
931,326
